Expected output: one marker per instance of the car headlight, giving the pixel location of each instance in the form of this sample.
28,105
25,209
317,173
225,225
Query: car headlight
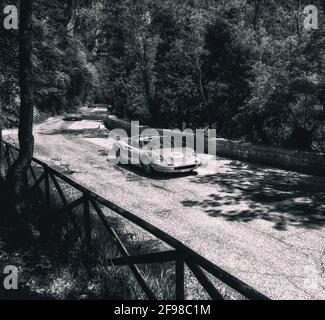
159,159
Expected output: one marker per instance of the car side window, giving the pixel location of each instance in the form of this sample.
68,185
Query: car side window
144,144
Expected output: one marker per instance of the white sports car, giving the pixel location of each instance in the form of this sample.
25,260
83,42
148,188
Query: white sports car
151,154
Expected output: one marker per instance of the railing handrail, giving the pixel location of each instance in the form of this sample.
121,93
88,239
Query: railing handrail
184,251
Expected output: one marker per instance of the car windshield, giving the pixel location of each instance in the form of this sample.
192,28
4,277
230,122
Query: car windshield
156,143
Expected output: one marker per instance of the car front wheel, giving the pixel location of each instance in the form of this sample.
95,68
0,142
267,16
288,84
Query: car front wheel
118,155
147,168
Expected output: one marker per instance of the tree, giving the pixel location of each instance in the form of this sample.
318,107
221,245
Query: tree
18,171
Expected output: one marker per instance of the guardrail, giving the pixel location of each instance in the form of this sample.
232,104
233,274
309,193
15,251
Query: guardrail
180,254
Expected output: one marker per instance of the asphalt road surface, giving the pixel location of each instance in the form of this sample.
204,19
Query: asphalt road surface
263,225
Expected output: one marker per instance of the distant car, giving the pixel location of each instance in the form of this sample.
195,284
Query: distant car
99,105
151,154
73,117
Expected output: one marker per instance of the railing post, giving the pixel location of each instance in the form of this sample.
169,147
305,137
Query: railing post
87,222
180,288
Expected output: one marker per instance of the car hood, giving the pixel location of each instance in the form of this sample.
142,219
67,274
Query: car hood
174,153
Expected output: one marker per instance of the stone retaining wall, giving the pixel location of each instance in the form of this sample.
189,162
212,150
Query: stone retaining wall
279,157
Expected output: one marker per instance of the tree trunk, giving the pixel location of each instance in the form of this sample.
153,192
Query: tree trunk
2,164
17,174
147,83
3,203
200,83
257,7
298,22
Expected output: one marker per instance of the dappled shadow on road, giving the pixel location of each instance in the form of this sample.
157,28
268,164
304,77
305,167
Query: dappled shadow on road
245,192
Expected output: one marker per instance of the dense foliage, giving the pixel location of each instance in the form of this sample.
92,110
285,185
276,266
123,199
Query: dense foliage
8,73
245,67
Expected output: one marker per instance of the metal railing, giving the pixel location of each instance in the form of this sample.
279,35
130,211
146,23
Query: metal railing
180,254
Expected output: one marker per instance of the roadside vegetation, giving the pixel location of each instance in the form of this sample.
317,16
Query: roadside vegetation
245,67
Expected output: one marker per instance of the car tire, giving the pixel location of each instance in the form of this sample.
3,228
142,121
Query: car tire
147,168
118,155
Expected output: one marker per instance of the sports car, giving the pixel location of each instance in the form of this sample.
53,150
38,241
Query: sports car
73,117
152,154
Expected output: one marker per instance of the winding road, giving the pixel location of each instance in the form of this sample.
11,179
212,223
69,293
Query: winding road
263,225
